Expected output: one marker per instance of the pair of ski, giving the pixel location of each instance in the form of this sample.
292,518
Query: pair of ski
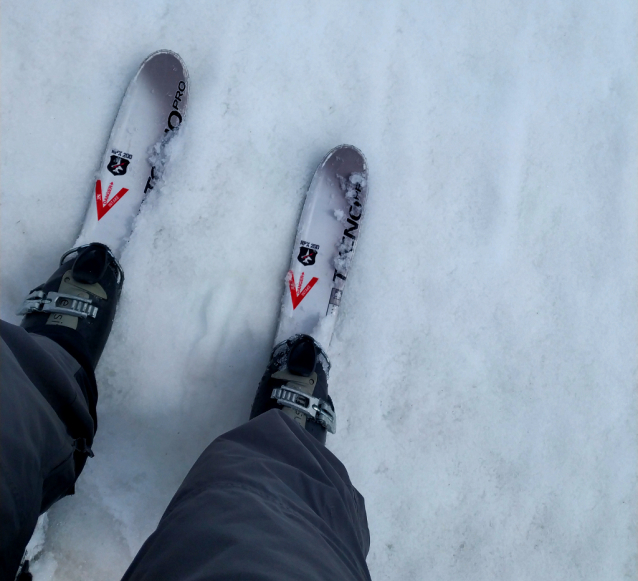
153,107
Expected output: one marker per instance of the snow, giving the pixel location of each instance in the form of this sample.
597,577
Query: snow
484,364
37,539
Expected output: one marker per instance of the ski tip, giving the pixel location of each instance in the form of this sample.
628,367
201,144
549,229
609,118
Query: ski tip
162,61
346,156
345,146
350,151
163,53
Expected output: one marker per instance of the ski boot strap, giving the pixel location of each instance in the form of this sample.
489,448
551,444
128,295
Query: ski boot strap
295,394
51,302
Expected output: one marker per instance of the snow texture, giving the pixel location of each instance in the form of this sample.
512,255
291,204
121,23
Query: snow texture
484,364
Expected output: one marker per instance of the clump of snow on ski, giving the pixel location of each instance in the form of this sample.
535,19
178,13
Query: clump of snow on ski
324,246
159,156
153,107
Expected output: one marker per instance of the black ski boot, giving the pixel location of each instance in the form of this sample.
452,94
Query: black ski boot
76,306
296,381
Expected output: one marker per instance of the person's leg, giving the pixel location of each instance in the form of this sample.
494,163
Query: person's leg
46,430
265,501
48,394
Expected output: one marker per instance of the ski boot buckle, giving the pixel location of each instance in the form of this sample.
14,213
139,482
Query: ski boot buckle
52,302
313,407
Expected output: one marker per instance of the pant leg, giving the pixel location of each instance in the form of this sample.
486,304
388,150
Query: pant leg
265,501
45,426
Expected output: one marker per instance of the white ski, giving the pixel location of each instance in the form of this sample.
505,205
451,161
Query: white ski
154,104
326,240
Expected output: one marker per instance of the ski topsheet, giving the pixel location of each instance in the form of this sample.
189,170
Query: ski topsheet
326,240
154,104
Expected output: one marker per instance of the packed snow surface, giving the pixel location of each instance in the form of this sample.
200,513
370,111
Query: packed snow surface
484,362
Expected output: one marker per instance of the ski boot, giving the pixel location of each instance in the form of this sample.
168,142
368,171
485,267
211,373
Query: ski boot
76,306
296,381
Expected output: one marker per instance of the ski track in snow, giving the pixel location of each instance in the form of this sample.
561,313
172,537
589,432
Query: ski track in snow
484,361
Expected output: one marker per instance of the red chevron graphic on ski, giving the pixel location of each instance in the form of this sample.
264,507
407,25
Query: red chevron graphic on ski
102,202
298,294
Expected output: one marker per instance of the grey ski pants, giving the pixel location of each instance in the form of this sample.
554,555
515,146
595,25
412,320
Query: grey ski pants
264,501
46,429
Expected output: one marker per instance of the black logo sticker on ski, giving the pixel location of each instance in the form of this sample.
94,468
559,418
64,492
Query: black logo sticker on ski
307,253
117,166
307,256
